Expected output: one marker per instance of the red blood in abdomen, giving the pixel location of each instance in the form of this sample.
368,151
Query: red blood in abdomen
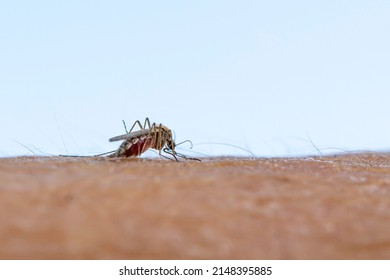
140,147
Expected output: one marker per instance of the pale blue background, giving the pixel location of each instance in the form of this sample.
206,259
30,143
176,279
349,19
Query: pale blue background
261,75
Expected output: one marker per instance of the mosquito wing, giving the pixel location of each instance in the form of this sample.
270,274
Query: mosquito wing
131,135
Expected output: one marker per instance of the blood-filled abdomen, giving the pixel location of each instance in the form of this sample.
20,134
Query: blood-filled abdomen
137,146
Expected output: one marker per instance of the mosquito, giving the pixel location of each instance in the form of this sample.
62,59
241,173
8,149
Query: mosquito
155,136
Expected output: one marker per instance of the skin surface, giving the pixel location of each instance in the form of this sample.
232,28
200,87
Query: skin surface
334,207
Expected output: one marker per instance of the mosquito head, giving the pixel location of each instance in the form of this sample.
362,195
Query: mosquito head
163,137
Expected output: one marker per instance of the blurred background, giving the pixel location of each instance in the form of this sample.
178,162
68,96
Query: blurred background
264,78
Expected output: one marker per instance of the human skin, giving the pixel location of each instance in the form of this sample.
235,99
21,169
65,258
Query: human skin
335,207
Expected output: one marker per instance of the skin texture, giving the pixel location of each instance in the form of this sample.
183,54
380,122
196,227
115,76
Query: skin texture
228,208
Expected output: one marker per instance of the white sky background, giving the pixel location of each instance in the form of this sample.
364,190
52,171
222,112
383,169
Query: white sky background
261,75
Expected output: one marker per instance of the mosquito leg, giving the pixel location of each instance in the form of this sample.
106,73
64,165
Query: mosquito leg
104,153
164,138
136,122
169,152
190,158
175,157
172,149
161,140
152,129
124,124
167,157
147,122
